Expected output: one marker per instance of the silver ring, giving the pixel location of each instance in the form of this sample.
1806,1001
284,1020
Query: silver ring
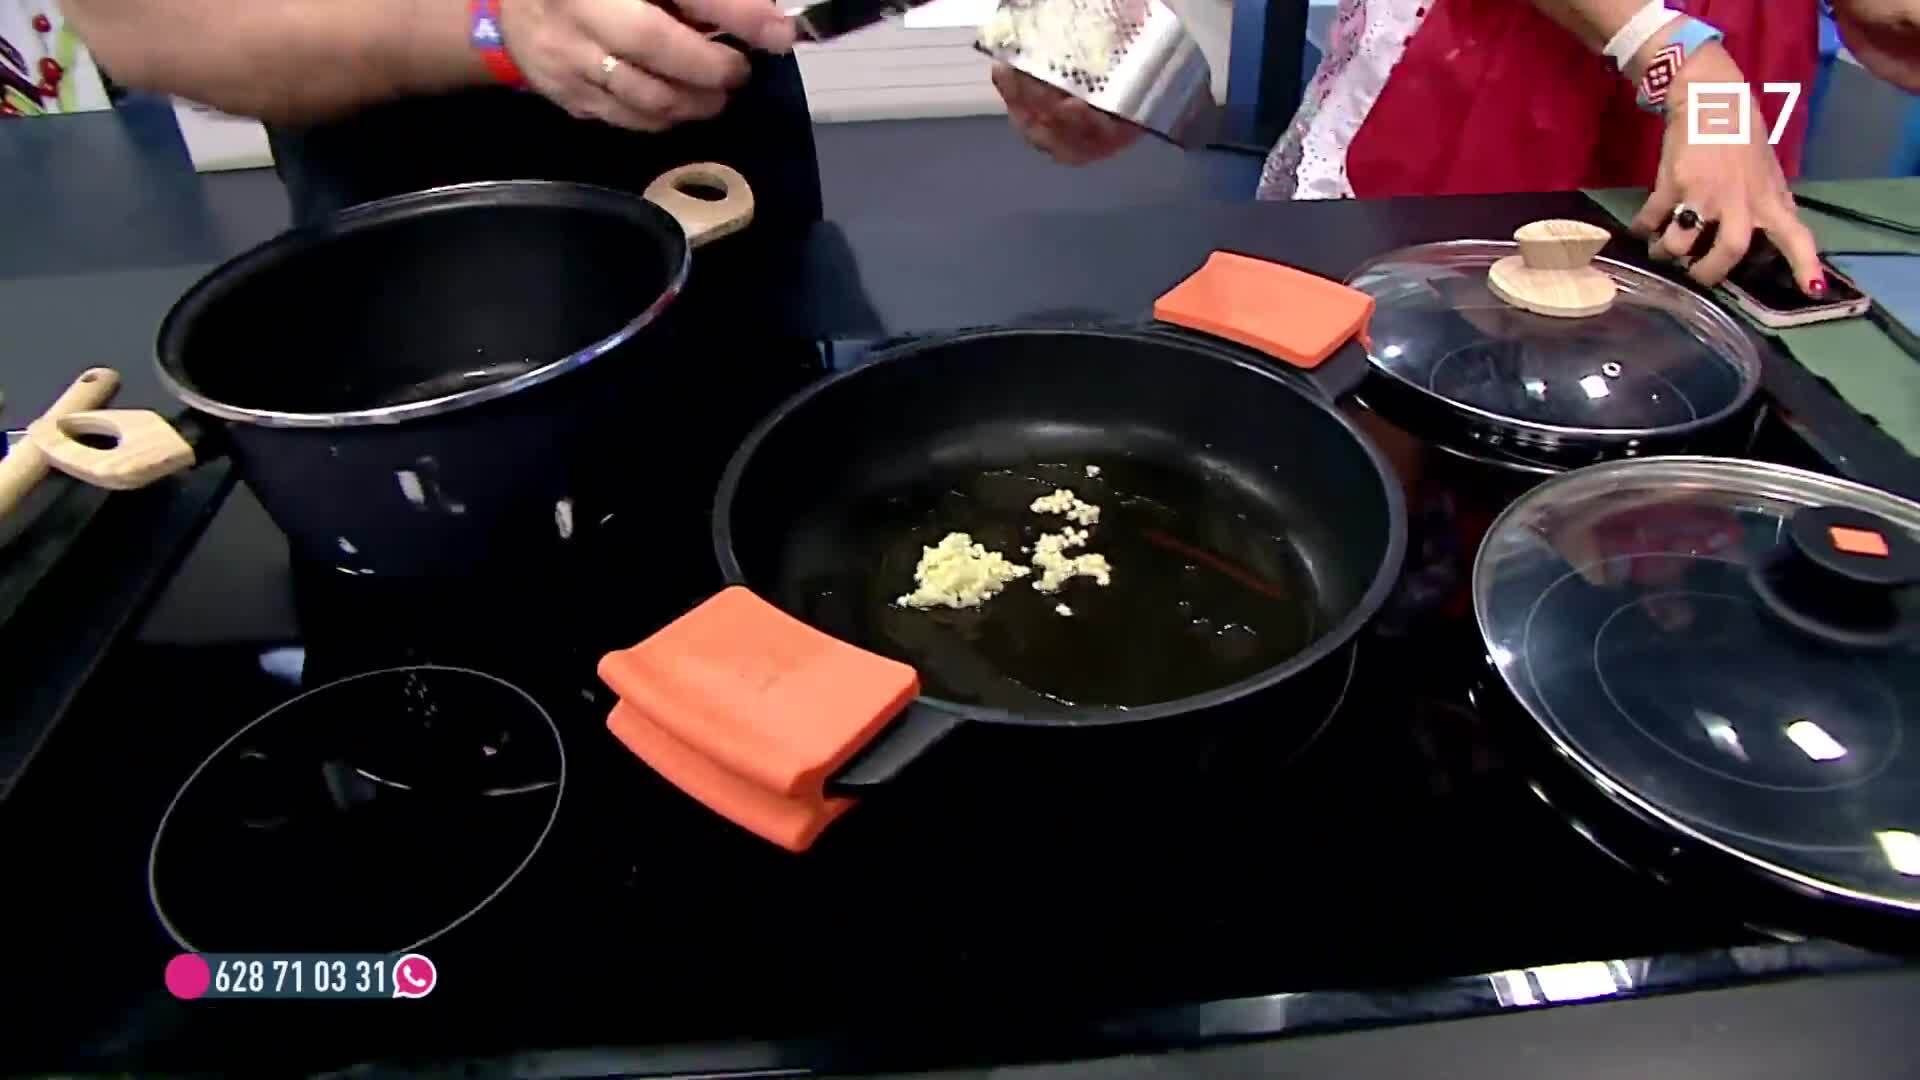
1686,217
608,65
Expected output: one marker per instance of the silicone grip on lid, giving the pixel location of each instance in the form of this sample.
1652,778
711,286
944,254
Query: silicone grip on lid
1289,314
1838,575
750,710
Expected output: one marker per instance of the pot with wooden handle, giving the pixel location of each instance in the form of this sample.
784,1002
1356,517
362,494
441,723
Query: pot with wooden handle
409,387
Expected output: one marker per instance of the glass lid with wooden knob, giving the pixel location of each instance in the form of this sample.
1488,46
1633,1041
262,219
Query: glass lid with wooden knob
1548,345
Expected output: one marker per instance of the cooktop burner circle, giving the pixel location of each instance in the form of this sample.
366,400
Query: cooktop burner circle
370,814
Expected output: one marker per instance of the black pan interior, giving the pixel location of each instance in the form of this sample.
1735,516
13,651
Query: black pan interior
1245,520
421,297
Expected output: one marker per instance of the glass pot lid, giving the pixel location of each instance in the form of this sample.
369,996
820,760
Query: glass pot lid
1661,362
1729,648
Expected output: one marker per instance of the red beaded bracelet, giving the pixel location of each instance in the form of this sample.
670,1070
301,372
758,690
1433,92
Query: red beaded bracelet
486,37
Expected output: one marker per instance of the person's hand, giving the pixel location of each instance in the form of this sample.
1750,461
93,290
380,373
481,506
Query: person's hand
633,64
1058,124
1739,186
1884,35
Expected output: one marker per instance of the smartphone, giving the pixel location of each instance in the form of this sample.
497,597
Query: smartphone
1763,285
1893,280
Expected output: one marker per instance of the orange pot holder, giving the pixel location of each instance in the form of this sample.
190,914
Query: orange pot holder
1289,314
750,710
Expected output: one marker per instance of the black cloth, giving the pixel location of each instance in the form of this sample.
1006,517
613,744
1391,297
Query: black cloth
502,134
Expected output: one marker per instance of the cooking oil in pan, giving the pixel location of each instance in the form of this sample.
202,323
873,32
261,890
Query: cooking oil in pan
1206,588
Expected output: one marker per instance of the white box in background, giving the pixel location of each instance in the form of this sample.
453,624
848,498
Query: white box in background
217,141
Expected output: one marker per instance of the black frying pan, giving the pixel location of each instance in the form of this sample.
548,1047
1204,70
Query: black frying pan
1253,530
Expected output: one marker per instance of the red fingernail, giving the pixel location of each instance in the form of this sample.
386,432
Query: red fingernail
1818,286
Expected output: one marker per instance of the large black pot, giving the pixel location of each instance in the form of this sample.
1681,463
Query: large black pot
1232,492
409,387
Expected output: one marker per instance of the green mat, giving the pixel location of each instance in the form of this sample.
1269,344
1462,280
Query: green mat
1863,364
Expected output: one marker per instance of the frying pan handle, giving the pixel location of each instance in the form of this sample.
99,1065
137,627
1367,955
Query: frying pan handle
26,464
682,193
146,447
899,744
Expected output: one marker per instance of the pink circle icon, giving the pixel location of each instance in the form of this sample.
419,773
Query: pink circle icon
188,976
414,976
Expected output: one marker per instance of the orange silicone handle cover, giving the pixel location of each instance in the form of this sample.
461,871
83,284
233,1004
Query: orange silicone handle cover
1289,314
750,710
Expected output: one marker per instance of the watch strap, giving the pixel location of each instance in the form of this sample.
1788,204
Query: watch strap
484,34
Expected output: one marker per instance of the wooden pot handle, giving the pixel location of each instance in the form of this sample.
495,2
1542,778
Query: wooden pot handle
146,447
704,219
26,464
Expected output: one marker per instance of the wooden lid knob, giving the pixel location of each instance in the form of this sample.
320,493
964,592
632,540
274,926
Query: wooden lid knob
1560,244
1552,275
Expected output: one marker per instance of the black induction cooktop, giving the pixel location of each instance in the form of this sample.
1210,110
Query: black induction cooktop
1405,866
